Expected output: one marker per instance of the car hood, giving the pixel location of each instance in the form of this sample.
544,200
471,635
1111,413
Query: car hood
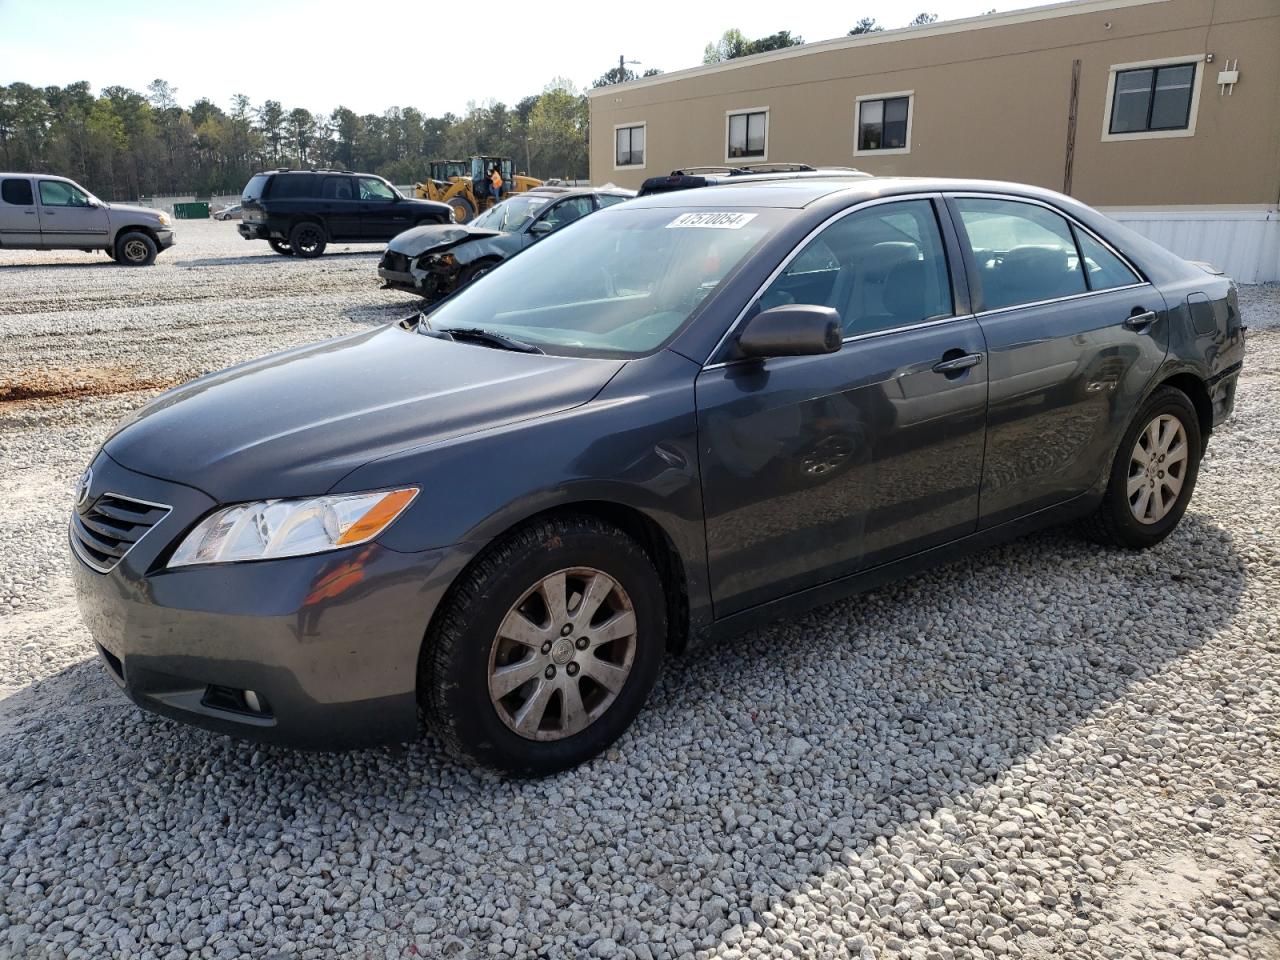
295,423
133,210
421,239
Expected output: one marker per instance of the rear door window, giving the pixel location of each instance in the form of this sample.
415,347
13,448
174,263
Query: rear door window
17,192
1025,253
336,188
1103,269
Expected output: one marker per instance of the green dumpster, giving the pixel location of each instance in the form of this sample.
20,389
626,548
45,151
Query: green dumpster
191,211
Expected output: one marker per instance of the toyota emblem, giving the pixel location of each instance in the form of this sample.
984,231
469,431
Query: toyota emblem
82,491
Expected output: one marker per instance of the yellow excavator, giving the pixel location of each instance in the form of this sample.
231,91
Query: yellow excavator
464,184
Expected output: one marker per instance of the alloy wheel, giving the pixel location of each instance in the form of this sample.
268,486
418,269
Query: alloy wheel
136,251
562,654
1157,469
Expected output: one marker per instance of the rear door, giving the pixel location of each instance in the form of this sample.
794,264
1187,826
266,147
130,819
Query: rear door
19,217
341,207
818,467
1074,333
69,217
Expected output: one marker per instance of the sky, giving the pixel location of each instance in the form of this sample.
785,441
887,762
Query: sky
370,56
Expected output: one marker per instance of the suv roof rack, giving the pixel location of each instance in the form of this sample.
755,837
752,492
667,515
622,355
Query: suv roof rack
782,167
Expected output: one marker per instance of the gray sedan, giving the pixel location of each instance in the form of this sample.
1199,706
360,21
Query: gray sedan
687,415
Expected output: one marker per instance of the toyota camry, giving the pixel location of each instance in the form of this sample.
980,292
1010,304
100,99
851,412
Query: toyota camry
691,413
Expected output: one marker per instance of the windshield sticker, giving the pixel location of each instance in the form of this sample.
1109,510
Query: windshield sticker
716,221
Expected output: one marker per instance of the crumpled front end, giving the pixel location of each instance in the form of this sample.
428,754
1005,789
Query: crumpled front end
430,275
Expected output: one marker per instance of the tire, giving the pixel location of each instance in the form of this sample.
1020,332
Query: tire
474,272
281,247
135,249
463,211
1171,415
466,646
307,239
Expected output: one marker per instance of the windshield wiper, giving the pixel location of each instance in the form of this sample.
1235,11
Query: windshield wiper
489,338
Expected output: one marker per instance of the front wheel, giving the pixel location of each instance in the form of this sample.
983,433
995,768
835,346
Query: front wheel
1154,473
546,649
136,250
281,247
307,239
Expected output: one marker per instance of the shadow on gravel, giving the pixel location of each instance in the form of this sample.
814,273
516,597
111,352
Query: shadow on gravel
376,314
64,265
267,257
830,731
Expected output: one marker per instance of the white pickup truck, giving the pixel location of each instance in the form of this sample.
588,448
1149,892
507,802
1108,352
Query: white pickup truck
42,212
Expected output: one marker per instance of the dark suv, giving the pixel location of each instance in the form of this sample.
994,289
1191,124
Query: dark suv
300,211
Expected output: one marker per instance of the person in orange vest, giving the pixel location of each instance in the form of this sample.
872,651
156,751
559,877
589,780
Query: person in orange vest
495,183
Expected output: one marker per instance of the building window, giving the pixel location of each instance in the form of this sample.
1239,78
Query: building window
628,146
1154,99
748,134
884,123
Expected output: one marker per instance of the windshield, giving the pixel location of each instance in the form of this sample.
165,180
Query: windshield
619,283
510,215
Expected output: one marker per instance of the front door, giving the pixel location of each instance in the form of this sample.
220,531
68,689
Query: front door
1074,337
69,217
817,467
19,218
383,215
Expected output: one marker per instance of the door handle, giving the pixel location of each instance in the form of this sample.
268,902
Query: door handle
29,213
958,363
1140,321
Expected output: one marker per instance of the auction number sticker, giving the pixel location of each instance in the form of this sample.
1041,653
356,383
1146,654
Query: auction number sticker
715,221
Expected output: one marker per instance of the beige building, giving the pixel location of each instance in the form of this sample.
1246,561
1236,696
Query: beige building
1166,113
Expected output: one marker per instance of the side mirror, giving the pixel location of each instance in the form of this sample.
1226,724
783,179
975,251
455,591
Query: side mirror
94,203
540,228
791,330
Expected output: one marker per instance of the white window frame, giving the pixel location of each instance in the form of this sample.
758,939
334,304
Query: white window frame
643,125
738,111
857,123
1190,131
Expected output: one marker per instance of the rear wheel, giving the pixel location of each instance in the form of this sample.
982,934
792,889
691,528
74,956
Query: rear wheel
1154,473
136,250
546,649
307,239
281,247
462,209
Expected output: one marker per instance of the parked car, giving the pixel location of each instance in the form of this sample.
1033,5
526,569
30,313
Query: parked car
433,261
690,178
232,212
301,211
43,212
687,415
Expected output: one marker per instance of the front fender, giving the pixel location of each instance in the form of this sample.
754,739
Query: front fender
634,446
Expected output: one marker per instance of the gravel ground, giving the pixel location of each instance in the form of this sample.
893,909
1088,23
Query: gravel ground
1047,750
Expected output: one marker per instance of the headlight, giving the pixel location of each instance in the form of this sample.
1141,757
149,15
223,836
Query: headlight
442,260
164,219
267,529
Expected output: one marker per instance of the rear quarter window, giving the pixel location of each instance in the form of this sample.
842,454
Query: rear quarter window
292,187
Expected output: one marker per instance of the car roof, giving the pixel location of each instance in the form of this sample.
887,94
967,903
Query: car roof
42,176
557,191
799,193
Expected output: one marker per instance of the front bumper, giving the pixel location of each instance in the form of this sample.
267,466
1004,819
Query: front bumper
403,272
328,644
166,238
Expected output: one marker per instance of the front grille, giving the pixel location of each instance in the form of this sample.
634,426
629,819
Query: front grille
108,529
395,261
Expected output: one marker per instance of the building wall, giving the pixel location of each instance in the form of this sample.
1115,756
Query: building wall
991,100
